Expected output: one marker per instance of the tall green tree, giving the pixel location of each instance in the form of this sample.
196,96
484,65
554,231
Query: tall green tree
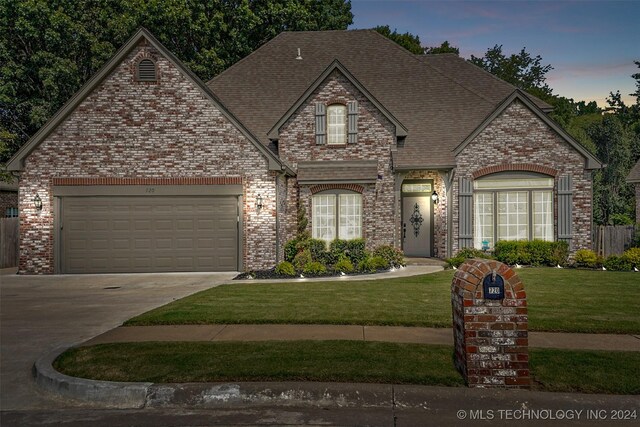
613,197
521,70
407,40
49,48
445,47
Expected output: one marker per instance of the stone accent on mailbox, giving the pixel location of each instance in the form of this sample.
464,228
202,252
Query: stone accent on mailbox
490,325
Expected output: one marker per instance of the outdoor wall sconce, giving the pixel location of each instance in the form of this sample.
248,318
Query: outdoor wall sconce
37,202
259,203
434,197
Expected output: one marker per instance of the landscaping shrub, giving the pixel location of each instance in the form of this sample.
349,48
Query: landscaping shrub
302,259
291,249
356,250
534,252
318,249
559,253
343,265
465,254
633,256
617,263
586,258
512,252
394,256
366,265
314,268
539,252
285,268
338,248
379,263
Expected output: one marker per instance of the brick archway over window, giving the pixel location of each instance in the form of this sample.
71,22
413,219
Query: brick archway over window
324,187
508,167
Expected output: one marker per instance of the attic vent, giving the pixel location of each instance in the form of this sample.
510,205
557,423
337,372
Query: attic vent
147,71
299,55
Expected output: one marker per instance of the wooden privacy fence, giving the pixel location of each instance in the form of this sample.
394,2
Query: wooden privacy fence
9,242
612,239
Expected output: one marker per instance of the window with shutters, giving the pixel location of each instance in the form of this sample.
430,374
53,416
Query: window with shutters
512,207
336,124
337,215
146,71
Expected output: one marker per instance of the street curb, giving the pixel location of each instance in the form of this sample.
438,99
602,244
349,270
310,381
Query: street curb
110,394
125,395
129,395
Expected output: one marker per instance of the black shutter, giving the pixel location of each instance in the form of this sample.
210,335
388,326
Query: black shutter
321,123
565,208
352,116
465,214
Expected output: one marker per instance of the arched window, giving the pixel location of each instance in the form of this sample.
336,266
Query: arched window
336,124
512,206
336,214
146,71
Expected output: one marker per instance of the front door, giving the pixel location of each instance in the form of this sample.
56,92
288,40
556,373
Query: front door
417,230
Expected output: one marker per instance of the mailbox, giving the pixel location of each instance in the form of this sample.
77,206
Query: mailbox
493,286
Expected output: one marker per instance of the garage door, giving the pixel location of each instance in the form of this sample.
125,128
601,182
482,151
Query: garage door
149,234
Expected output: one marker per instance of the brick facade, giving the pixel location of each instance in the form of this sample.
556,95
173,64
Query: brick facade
376,138
491,337
170,132
128,129
518,137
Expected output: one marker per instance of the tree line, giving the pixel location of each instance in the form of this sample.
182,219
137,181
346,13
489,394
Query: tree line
49,48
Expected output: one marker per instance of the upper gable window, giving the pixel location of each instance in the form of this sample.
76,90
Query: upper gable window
336,124
146,71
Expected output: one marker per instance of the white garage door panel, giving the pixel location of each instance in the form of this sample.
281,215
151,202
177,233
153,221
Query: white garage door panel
149,234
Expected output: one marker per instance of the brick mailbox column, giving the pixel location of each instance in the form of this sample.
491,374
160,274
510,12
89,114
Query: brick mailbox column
490,325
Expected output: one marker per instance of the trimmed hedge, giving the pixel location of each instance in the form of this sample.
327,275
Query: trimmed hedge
586,258
465,254
285,268
393,256
534,252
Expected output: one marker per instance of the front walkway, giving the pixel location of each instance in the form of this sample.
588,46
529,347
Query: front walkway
441,336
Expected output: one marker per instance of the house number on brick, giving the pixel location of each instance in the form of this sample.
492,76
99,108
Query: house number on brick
493,286
150,190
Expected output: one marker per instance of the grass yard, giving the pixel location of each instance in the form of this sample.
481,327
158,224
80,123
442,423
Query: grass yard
566,300
338,361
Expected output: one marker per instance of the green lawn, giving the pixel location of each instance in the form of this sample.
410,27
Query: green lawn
566,300
338,361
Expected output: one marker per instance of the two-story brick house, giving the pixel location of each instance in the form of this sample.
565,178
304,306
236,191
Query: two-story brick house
147,168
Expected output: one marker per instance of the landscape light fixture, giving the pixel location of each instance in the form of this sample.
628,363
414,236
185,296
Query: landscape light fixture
37,202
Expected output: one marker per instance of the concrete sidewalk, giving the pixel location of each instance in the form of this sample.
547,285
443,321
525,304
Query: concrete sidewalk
418,335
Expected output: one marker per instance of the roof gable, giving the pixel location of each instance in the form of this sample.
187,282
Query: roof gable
16,163
591,162
401,131
437,112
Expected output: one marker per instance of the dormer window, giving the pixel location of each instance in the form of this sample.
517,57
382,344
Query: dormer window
337,124
146,71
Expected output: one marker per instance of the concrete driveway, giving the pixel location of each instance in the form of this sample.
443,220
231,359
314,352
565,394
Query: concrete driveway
40,313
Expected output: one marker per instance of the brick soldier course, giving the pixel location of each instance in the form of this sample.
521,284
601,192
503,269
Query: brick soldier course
490,336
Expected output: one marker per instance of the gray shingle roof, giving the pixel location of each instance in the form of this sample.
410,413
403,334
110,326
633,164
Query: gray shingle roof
337,171
634,175
440,99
